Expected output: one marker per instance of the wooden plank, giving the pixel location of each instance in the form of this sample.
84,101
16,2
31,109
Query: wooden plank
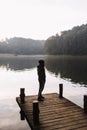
55,113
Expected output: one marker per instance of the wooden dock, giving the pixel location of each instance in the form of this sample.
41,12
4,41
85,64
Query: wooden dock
55,113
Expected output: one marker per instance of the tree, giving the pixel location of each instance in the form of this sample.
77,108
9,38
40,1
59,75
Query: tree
70,42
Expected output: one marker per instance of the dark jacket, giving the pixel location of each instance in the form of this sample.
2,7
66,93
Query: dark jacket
41,73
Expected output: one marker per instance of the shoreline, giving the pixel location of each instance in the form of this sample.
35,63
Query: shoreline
19,56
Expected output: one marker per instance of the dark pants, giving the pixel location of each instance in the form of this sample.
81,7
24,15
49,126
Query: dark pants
41,87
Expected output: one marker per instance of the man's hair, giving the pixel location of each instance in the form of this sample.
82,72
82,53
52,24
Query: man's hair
41,62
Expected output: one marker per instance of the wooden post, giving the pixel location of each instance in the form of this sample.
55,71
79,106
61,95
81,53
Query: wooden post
22,116
85,104
60,90
22,95
36,112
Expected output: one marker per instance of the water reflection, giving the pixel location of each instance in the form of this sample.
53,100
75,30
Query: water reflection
73,68
9,116
19,63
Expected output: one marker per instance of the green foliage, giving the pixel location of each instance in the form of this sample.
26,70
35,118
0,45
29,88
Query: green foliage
71,42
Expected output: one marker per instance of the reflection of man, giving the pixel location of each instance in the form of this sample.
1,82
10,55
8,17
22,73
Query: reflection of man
41,79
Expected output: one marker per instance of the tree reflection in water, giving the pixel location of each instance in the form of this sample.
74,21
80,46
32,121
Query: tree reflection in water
73,68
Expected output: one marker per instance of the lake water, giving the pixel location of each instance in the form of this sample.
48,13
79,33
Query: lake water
20,72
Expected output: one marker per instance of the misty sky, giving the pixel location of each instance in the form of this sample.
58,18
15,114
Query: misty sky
39,19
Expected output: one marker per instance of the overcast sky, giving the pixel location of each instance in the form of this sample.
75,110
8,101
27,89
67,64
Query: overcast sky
39,19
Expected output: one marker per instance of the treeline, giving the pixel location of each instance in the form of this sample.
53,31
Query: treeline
22,46
71,42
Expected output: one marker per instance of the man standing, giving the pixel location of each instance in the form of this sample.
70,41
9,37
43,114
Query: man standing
41,79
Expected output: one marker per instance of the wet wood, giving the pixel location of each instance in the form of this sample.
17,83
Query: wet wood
60,90
85,104
22,95
36,112
55,113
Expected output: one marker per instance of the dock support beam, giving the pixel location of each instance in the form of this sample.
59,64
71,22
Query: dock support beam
22,95
60,90
22,116
36,112
85,104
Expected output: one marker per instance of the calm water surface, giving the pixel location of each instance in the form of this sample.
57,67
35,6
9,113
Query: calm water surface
20,71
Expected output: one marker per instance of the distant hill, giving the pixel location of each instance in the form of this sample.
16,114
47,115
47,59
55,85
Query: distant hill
22,46
70,42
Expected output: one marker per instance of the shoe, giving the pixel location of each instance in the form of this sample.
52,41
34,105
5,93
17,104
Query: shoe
40,99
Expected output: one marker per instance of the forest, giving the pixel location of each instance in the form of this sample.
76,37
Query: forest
22,46
70,42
